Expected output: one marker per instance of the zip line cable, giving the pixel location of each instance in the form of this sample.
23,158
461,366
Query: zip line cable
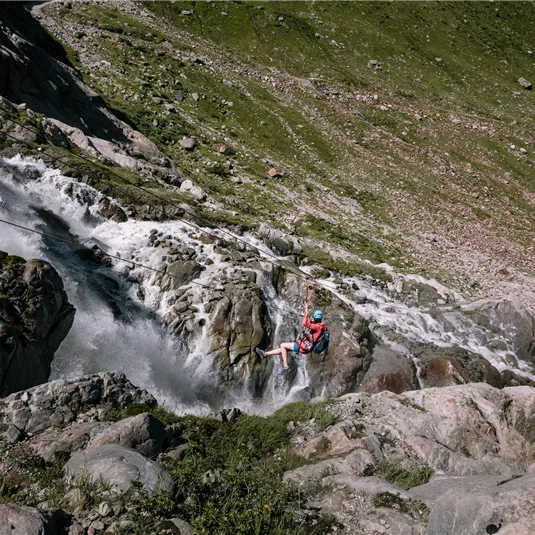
280,262
115,257
144,190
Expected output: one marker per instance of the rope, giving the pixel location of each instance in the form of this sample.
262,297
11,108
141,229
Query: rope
280,262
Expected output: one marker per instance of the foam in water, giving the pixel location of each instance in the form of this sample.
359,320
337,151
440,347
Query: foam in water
121,308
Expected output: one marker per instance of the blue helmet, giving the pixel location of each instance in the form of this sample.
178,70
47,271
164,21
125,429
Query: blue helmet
318,315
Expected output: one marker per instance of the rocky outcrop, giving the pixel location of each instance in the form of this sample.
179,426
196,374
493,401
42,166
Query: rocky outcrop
21,520
38,74
35,316
281,243
59,403
380,454
509,318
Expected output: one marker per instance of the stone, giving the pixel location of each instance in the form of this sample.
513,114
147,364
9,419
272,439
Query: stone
177,526
22,520
273,172
277,240
143,433
515,323
178,274
195,97
195,191
188,143
111,210
60,402
35,317
119,467
388,371
525,84
54,134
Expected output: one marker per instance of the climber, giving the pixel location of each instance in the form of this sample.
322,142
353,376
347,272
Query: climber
306,344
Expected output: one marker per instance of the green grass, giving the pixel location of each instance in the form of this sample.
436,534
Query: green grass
395,471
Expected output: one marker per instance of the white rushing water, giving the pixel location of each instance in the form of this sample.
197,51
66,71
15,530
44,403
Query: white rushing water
121,309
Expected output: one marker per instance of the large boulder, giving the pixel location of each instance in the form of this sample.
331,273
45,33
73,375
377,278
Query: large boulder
389,371
281,243
509,318
35,317
118,467
478,504
61,402
143,433
21,520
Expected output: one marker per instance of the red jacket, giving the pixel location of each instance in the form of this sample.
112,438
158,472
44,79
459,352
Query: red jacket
314,332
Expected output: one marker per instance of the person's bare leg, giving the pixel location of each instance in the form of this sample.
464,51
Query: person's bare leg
282,350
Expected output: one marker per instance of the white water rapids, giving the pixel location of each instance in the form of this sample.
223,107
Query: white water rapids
120,310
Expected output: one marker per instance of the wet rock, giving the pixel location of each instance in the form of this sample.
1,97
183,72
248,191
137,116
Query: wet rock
35,316
515,323
525,84
21,520
111,210
179,273
119,467
143,433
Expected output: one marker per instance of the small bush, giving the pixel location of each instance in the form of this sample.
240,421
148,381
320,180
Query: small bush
405,477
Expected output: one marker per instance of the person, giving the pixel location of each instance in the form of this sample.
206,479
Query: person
315,327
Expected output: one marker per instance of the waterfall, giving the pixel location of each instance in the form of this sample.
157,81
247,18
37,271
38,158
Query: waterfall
121,309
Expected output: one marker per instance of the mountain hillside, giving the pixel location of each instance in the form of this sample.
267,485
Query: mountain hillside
399,132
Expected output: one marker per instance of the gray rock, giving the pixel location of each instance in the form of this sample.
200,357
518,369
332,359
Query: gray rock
277,240
388,371
119,467
111,210
60,402
179,273
188,143
143,433
189,187
515,323
177,526
35,318
525,84
472,505
54,134
21,520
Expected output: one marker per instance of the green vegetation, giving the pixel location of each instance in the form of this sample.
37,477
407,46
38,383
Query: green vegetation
414,508
406,477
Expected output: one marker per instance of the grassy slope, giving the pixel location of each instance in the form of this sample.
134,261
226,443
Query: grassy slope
358,171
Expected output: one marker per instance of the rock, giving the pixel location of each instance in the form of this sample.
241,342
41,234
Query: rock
111,210
515,323
188,143
525,84
61,402
193,190
177,526
104,509
440,367
388,371
21,520
54,134
438,60
195,97
273,172
375,64
119,467
35,316
178,274
143,433
277,240
478,504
